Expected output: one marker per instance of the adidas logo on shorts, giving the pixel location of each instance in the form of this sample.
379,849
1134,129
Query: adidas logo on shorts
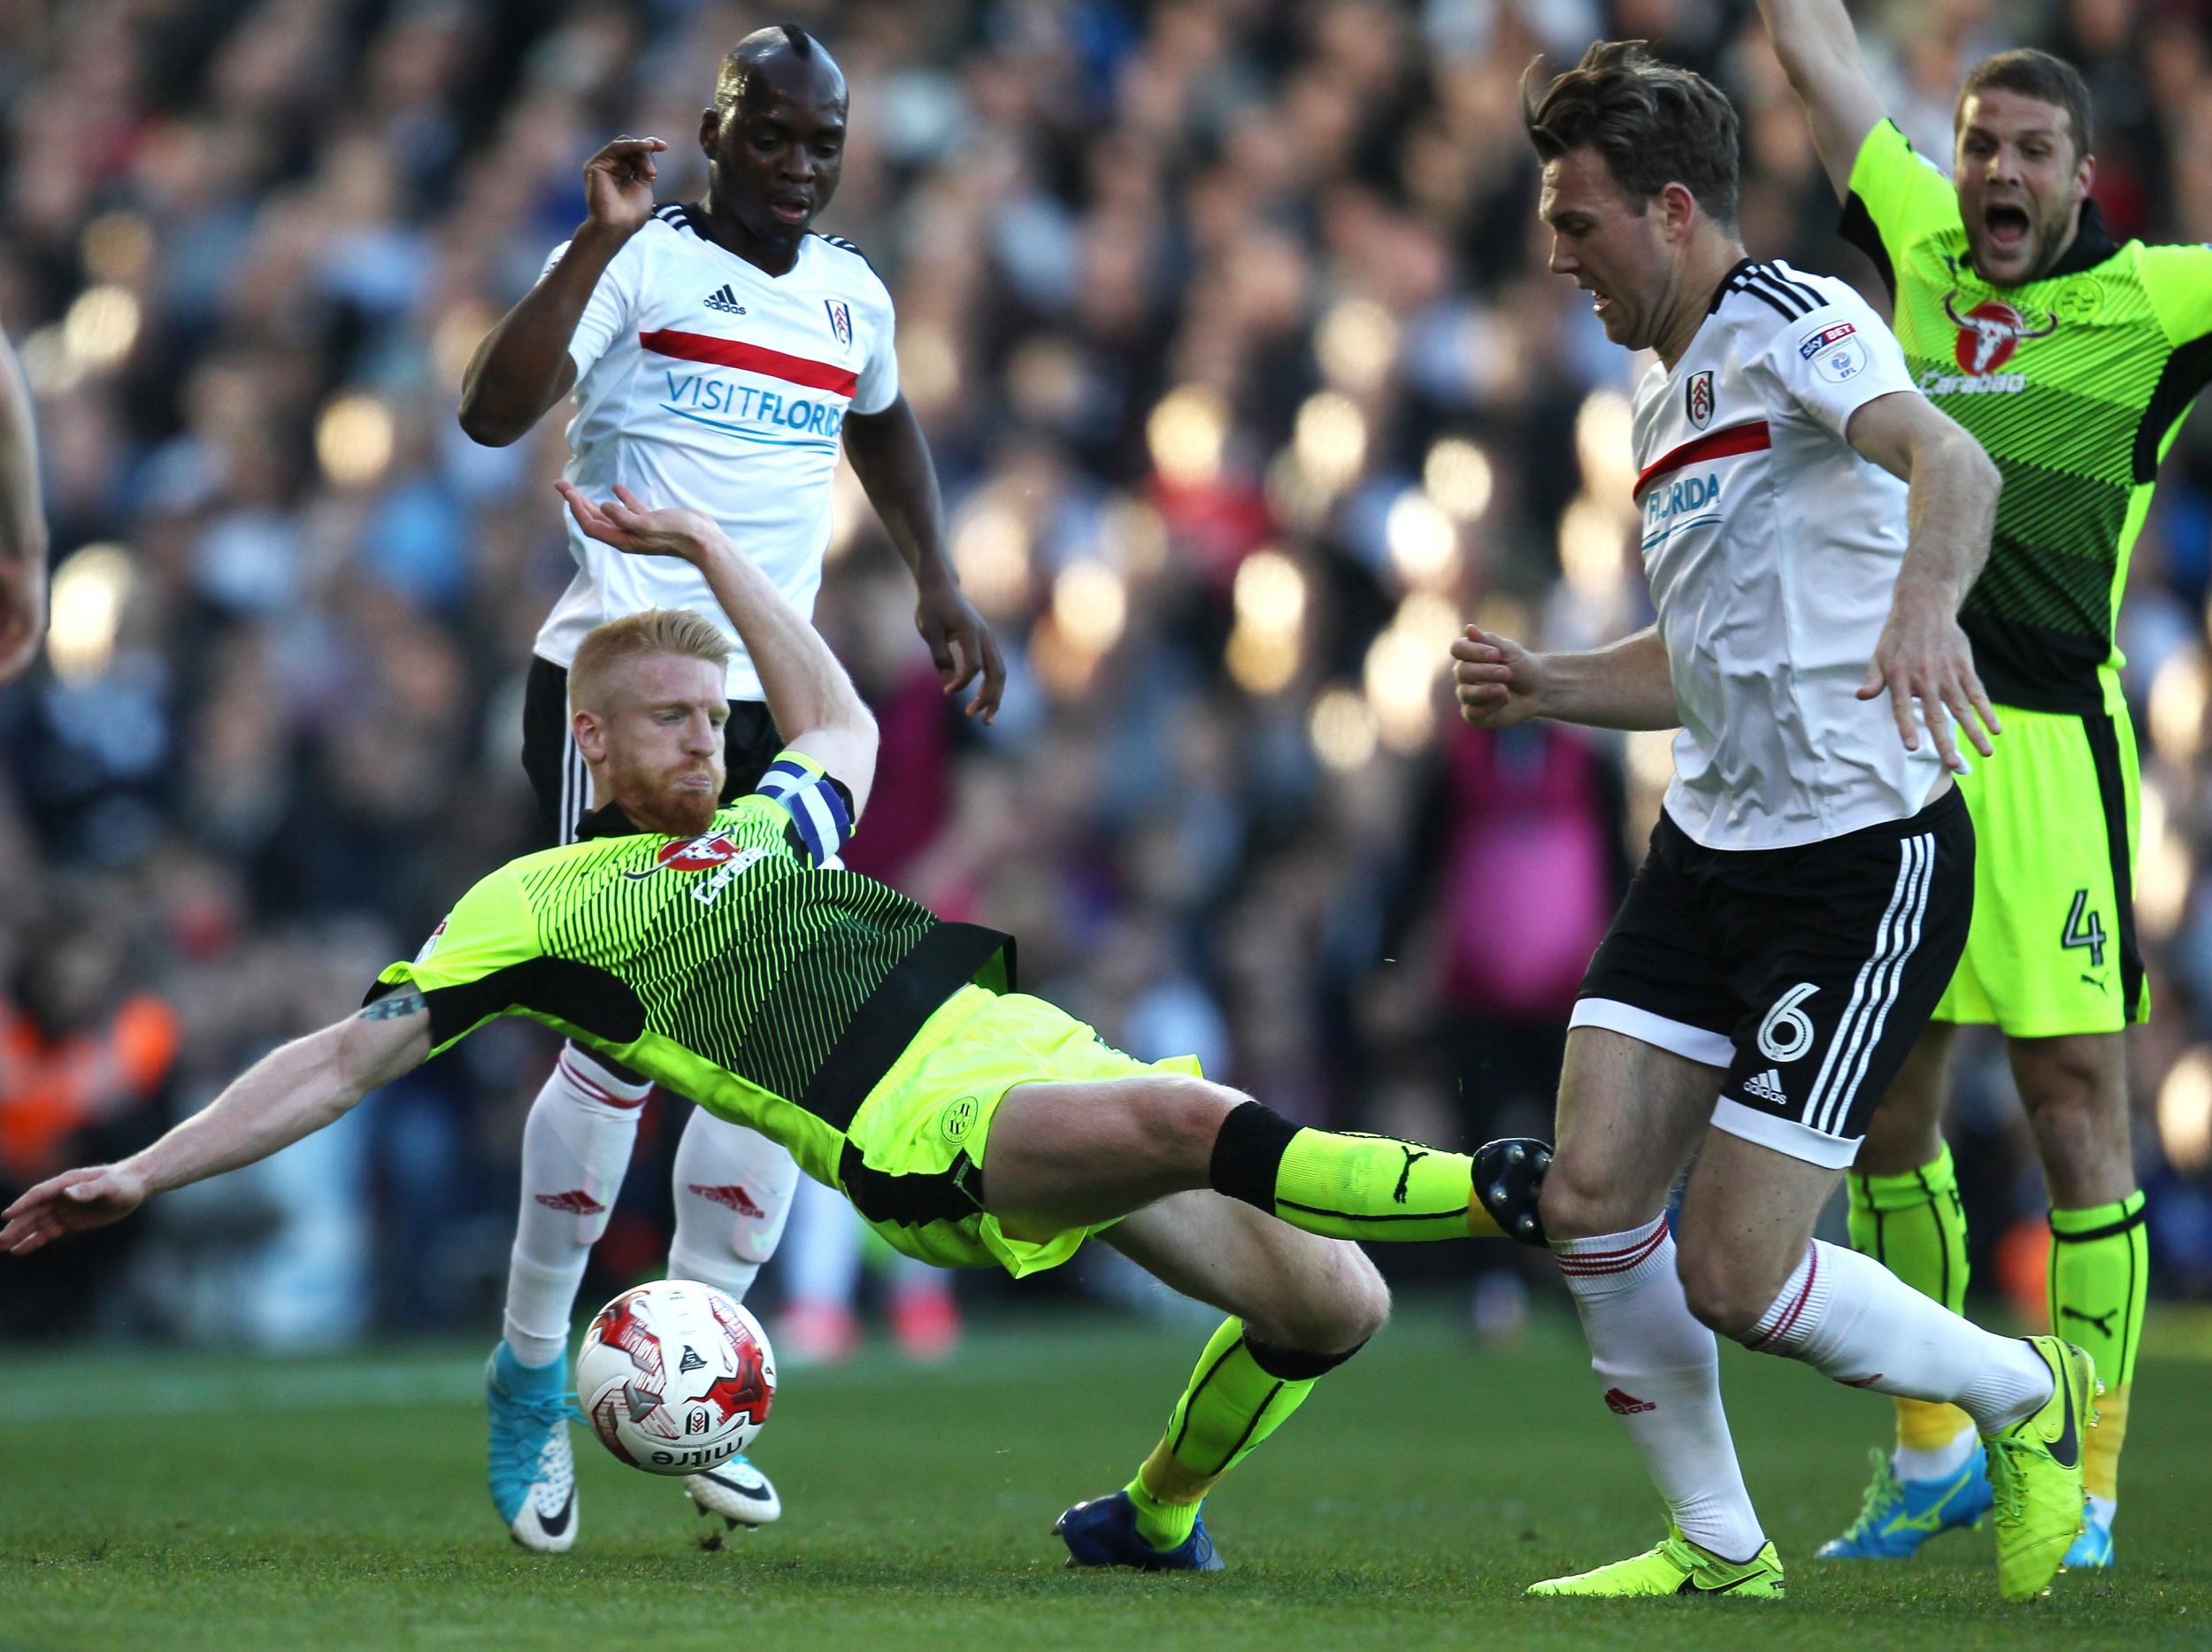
1768,1087
725,300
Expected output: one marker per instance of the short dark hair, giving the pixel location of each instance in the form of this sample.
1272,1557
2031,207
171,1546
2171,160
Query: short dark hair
774,40
1654,123
2036,75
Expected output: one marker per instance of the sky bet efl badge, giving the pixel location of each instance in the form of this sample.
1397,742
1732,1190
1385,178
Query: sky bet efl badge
840,320
1837,352
1699,398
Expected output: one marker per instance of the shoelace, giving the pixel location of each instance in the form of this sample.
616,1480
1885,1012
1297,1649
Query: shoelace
519,1427
1677,1549
1882,1497
2005,1478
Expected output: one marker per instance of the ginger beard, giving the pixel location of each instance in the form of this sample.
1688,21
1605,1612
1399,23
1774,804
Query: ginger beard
652,734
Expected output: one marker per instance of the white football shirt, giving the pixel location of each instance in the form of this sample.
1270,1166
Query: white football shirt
1772,549
703,381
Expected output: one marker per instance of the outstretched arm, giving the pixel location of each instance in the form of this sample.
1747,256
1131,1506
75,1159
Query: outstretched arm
289,1092
809,696
1951,506
890,455
1627,684
1820,53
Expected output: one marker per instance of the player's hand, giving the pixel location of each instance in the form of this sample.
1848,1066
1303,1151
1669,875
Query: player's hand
961,644
1923,656
618,184
69,1203
22,617
626,523
1499,682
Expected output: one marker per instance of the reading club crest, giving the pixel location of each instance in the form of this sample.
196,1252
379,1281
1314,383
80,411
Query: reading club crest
1698,399
841,319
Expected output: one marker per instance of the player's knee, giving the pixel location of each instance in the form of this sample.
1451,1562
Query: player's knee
1900,1137
1176,1120
1576,1203
1365,1300
1727,1293
1345,1302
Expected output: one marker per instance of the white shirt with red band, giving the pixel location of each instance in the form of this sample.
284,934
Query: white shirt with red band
705,382
1772,549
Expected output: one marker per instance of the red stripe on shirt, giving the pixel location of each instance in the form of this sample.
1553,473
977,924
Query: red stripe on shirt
1717,444
729,352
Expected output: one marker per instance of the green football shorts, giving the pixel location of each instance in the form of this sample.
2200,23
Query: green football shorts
919,1141
2053,948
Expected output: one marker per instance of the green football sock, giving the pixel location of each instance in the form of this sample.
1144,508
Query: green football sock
2099,1270
1347,1187
1233,1403
1915,1226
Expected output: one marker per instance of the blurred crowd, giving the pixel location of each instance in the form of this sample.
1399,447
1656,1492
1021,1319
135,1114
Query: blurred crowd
1228,323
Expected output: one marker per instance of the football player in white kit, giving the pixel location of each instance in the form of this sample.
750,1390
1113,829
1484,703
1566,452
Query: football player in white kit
1807,893
720,354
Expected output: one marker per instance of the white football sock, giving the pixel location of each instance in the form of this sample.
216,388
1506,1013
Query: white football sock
822,1263
1660,1370
1849,1318
1940,1464
733,1188
575,1146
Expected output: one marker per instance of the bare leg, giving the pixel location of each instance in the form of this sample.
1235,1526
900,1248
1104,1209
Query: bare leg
1074,1154
1292,1289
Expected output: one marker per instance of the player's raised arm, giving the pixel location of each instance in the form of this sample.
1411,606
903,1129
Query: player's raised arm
1624,685
524,364
890,455
289,1092
809,694
1820,53
22,525
1951,506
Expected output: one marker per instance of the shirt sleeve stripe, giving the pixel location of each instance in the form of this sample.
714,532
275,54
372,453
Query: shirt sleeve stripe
783,778
820,820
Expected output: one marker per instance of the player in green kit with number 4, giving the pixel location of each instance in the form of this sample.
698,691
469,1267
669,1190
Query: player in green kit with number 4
2071,358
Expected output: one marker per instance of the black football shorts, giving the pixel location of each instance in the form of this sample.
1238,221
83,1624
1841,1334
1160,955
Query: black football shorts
1806,972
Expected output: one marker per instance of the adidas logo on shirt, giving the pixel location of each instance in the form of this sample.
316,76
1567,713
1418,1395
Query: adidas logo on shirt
1768,1087
723,299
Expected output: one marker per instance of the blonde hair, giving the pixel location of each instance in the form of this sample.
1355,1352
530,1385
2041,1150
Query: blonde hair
635,636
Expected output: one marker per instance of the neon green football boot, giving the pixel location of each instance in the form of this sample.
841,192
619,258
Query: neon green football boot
2035,1474
1676,1566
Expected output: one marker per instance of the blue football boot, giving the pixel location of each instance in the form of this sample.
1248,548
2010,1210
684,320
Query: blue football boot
1104,1533
1898,1516
533,1474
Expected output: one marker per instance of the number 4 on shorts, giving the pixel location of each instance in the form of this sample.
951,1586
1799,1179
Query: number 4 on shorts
2091,937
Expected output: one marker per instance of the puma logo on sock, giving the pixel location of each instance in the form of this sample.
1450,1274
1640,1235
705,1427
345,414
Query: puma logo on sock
2103,1321
1405,1176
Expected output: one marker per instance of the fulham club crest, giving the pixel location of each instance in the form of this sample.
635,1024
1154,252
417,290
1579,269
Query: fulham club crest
1698,399
841,319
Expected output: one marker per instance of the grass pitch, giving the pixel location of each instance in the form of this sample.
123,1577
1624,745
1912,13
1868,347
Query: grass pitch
156,1500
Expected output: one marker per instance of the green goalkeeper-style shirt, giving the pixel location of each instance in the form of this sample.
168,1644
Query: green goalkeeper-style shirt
2075,384
735,967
